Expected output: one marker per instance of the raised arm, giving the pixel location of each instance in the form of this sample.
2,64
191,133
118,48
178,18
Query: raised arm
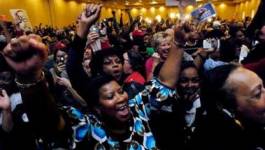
121,21
114,21
26,55
169,72
129,15
74,66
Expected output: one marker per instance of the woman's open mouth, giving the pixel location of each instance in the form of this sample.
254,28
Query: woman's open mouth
123,110
116,73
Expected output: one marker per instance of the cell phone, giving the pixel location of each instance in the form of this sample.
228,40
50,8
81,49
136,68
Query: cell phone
94,29
62,59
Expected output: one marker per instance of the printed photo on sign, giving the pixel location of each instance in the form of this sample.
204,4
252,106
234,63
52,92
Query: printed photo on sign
204,12
21,19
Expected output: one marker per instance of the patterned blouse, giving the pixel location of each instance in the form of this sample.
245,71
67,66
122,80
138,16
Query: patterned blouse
89,129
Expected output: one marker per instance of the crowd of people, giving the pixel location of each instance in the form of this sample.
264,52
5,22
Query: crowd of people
107,84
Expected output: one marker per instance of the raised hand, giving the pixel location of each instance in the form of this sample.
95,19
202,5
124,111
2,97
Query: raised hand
60,68
87,18
92,37
26,55
180,37
4,100
63,82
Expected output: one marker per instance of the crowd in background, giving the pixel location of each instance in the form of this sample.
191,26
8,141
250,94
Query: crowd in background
107,84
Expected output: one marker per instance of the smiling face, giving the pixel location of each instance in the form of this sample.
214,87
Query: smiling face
113,102
249,94
163,48
112,65
189,84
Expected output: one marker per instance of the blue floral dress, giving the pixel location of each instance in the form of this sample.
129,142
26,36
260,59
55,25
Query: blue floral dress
89,129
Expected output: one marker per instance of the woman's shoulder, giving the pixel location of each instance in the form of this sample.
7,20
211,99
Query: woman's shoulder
135,77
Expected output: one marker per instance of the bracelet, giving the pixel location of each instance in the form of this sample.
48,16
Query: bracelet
28,85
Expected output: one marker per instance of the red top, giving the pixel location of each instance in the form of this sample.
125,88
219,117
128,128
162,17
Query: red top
105,44
149,66
136,77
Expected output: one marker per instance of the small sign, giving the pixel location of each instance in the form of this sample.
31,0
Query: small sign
21,19
204,12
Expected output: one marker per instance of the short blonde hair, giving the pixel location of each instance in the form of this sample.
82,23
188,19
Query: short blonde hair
159,37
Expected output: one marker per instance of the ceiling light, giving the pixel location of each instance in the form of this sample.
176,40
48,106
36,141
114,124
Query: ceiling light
154,2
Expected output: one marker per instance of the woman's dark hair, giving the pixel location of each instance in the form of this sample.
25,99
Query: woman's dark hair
59,46
187,64
136,60
213,92
234,29
94,86
98,59
216,33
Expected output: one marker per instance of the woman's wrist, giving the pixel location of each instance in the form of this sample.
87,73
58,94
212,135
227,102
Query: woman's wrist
29,77
30,80
82,31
